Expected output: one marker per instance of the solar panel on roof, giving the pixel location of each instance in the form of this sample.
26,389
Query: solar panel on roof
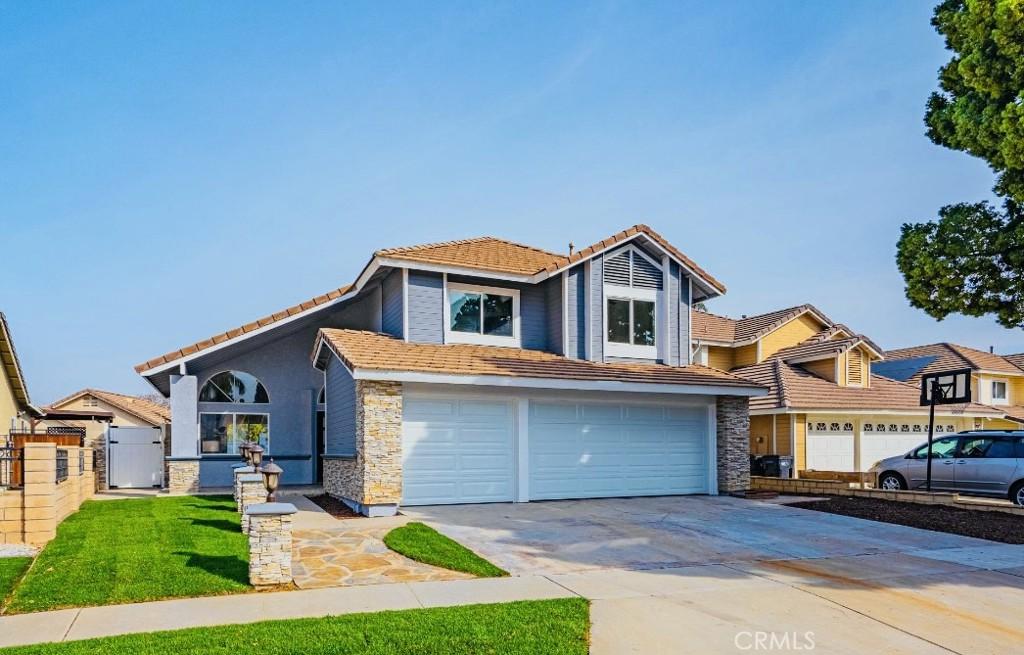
902,369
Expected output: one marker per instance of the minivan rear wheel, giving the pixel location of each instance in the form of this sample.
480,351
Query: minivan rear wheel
1017,493
891,481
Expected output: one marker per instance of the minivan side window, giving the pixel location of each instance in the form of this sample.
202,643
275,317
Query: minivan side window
941,449
973,447
1020,446
1001,449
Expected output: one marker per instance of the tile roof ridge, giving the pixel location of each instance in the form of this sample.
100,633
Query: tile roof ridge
780,380
433,244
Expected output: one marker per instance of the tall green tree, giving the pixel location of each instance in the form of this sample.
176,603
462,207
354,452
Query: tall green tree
971,260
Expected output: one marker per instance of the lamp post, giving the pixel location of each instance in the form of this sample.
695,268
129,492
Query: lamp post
243,450
255,455
271,478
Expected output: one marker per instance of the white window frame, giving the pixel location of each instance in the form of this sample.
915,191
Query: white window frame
618,292
233,414
453,336
1005,400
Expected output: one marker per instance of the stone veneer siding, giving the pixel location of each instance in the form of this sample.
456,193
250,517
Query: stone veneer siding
270,550
373,476
182,476
733,414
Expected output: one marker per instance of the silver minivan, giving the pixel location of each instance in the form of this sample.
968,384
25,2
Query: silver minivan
982,462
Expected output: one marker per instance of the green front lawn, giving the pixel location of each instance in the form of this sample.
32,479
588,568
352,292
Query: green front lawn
11,569
425,544
123,551
527,627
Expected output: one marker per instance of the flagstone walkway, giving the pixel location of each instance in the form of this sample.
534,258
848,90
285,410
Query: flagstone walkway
355,554
328,552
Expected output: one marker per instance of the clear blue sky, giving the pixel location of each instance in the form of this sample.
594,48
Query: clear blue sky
171,170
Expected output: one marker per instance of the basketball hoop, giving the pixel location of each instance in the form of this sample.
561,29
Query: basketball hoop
946,388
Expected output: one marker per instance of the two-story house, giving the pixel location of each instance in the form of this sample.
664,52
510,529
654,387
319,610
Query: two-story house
478,370
996,380
827,407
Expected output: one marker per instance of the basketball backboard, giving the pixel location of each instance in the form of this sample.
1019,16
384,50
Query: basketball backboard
954,387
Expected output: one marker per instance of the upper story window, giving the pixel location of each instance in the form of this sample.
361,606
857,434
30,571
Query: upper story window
999,392
89,401
482,315
233,387
631,322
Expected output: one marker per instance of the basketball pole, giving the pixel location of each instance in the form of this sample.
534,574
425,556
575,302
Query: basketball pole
931,428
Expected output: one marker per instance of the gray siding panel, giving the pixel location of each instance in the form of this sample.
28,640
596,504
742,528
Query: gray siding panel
340,416
596,299
553,294
391,304
684,319
576,294
426,309
672,298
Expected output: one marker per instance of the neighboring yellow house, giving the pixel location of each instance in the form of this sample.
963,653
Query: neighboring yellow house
827,407
123,411
16,409
996,380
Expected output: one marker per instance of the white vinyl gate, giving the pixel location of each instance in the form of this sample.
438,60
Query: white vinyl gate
135,457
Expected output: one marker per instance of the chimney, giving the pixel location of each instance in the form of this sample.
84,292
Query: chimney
572,246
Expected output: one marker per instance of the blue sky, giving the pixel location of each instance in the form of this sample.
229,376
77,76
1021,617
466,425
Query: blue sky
172,170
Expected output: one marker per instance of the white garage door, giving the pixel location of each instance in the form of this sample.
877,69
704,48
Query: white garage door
457,450
590,450
830,451
874,447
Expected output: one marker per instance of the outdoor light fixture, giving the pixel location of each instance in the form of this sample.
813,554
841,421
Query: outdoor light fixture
271,477
256,454
243,450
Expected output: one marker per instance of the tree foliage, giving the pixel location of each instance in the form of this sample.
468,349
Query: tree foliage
971,260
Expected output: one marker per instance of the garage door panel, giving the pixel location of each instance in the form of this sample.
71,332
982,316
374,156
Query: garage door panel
617,449
457,450
827,451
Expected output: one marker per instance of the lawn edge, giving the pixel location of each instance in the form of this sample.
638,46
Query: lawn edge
500,572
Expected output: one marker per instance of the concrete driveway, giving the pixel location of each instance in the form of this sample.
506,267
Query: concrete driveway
724,575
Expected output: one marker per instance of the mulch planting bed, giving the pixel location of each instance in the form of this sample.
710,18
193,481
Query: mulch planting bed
994,526
334,507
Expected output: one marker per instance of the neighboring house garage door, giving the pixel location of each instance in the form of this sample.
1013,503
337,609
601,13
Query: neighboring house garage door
592,450
830,447
457,450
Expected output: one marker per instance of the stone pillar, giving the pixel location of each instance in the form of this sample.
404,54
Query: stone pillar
733,418
237,471
270,544
74,482
40,492
379,444
182,465
252,492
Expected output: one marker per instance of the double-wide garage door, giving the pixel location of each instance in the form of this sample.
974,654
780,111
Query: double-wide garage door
464,450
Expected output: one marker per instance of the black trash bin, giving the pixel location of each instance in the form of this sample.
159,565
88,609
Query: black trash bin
770,465
756,468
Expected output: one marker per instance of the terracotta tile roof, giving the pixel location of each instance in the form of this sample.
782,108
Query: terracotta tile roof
239,331
370,350
147,410
12,368
482,253
604,244
946,356
792,387
713,327
820,348
1016,359
748,328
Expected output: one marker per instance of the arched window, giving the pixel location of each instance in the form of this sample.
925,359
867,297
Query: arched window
322,398
233,387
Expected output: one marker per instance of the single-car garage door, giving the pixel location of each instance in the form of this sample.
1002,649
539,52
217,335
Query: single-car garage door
457,450
592,450
830,451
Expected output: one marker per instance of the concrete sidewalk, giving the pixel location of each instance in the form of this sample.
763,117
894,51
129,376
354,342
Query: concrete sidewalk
90,622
